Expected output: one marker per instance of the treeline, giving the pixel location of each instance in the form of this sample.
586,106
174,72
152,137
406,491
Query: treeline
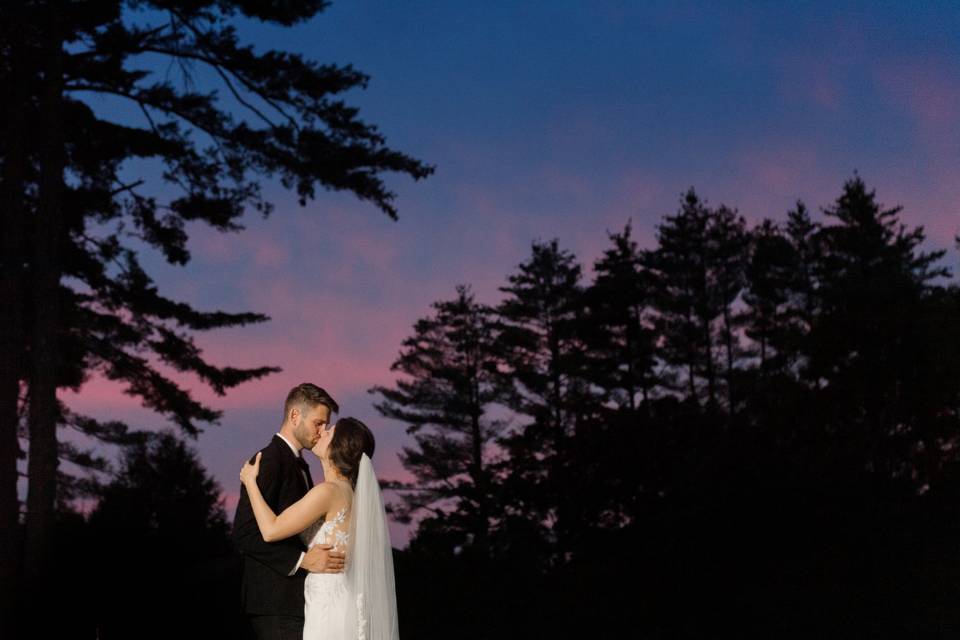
739,430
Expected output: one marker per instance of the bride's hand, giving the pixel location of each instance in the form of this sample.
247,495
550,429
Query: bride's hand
249,472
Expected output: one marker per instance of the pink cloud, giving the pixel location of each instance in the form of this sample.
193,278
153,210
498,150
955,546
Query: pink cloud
335,329
928,89
252,244
820,75
811,79
782,169
586,209
100,395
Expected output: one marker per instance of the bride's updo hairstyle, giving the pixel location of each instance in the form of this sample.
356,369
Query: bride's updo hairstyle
351,439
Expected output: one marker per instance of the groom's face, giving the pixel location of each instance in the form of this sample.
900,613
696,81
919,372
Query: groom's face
311,425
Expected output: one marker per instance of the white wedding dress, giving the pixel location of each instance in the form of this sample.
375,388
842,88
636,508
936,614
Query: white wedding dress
325,594
361,602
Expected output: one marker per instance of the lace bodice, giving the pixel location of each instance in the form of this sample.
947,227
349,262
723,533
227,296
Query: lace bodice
324,593
333,531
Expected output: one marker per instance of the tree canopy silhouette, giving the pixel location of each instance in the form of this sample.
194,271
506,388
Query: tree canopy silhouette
745,425
81,201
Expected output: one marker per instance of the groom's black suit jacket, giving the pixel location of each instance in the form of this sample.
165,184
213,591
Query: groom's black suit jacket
266,586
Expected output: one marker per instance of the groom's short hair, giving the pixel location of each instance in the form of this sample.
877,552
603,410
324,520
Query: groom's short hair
309,395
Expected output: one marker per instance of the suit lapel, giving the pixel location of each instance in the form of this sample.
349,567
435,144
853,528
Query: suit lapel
309,478
292,466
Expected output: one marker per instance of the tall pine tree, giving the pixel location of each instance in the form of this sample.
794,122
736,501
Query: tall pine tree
729,251
622,343
687,304
546,364
622,367
449,387
866,334
79,216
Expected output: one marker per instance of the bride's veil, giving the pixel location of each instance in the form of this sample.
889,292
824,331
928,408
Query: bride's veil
372,612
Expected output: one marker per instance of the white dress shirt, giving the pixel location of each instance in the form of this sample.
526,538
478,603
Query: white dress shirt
307,482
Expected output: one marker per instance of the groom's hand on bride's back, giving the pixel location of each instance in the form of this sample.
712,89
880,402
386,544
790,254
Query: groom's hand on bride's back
320,559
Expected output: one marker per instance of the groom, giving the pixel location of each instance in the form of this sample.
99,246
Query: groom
273,572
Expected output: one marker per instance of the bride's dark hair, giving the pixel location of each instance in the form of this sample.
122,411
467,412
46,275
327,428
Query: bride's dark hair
351,439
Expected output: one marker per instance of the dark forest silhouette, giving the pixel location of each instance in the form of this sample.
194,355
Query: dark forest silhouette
571,478
740,431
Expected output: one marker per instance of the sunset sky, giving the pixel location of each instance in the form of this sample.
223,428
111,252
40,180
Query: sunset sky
552,119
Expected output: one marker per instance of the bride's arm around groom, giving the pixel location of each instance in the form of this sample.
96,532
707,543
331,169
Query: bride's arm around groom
294,518
280,557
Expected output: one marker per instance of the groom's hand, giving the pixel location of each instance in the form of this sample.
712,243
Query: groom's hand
320,559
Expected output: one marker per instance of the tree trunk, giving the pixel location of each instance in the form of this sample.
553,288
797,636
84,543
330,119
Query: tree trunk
43,414
479,472
728,344
11,324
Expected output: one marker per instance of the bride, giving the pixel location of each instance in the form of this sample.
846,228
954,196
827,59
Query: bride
345,510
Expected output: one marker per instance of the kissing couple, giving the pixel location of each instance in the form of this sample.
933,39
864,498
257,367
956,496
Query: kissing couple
317,558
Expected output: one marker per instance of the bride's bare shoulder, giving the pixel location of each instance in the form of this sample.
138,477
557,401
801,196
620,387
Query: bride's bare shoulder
326,495
323,492
327,491
324,489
